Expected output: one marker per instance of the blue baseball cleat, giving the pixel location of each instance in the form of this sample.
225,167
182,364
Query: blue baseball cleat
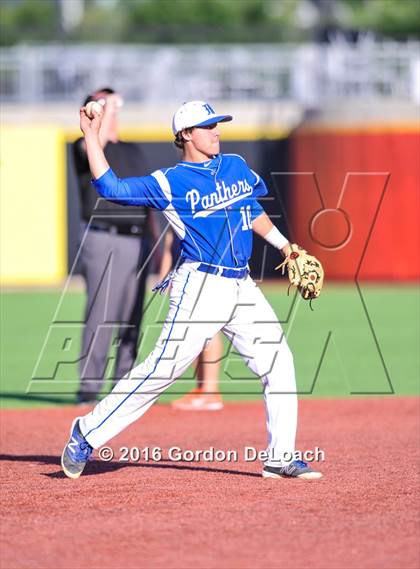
76,453
296,469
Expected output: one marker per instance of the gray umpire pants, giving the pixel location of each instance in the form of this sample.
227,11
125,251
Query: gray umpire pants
115,292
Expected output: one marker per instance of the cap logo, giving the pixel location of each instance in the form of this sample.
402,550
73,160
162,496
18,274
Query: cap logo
208,108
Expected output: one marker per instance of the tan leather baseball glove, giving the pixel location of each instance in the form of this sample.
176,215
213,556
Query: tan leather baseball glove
305,272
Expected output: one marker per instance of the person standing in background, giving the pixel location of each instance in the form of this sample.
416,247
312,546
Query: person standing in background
206,396
112,254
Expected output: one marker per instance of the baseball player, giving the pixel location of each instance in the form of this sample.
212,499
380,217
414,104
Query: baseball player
211,201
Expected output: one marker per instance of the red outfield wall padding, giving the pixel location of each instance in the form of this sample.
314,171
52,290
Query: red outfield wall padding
354,201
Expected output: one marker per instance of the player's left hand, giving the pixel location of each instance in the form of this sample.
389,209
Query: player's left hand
305,272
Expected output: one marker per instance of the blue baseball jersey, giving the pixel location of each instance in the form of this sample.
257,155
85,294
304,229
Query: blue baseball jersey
210,205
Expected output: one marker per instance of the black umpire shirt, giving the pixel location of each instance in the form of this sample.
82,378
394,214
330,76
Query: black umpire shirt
126,160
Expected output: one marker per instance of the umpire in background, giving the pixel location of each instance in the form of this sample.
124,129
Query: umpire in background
112,256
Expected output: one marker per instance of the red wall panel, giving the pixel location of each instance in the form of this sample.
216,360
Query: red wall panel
355,198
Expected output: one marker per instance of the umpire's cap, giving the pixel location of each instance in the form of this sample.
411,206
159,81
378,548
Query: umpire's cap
94,96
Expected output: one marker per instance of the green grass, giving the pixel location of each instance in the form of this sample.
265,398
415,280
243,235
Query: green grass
336,353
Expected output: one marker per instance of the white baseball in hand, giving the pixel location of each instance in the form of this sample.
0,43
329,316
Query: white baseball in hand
93,106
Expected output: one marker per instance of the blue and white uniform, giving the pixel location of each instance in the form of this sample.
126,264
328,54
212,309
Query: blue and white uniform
211,207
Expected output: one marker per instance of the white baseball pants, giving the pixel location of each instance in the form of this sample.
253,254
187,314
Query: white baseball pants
201,304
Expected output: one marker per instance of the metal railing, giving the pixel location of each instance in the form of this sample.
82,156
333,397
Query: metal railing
310,73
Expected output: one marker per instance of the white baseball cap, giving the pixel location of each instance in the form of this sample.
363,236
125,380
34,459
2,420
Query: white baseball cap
196,113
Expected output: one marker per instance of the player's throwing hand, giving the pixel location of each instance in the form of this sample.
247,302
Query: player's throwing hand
90,128
90,125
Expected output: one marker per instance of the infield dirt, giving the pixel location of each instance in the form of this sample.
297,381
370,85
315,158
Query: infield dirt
364,513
